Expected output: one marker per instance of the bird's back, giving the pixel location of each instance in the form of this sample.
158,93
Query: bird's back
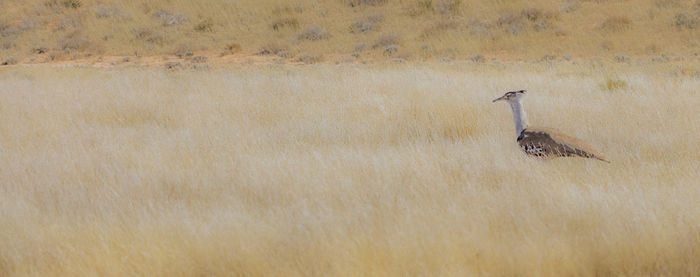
549,142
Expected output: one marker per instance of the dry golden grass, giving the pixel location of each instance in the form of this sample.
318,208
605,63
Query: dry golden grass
345,171
47,30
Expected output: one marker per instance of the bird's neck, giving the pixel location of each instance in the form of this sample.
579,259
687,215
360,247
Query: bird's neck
519,116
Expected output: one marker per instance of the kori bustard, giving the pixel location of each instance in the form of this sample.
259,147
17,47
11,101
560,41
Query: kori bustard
545,142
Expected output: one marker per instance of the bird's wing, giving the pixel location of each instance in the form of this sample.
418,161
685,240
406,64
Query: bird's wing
552,142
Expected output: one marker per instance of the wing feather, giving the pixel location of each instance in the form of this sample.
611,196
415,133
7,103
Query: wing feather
552,142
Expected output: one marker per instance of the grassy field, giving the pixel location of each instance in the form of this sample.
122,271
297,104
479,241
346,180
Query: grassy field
356,170
311,31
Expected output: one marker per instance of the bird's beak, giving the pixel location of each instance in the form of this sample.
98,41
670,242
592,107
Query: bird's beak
498,99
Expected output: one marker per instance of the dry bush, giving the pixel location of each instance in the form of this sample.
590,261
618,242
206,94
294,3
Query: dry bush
511,23
622,58
73,42
169,19
440,26
310,58
149,35
570,6
355,3
73,4
616,23
40,49
272,48
183,51
386,40
70,22
204,26
106,11
231,48
289,23
686,20
313,32
478,58
368,23
479,27
10,61
449,7
391,49
197,59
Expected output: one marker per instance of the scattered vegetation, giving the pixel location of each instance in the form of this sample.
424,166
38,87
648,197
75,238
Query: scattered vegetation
10,61
204,26
355,3
290,23
369,23
386,40
310,58
614,84
478,58
616,23
232,48
313,32
685,20
546,27
106,11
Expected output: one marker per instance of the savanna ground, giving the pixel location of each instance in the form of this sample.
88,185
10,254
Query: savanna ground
180,138
324,170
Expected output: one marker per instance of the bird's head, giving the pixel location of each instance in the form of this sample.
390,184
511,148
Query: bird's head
511,96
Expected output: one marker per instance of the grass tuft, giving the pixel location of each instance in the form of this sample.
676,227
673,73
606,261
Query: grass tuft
614,84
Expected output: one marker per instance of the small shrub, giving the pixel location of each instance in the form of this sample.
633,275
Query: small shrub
510,23
449,7
426,5
533,14
614,84
661,58
439,27
386,40
478,58
569,7
72,42
170,19
284,54
616,23
369,23
548,58
68,22
10,61
149,35
622,59
478,27
204,26
40,50
291,23
105,11
183,51
313,32
355,3
173,65
198,59
685,20
391,49
232,48
73,4
310,58
271,49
